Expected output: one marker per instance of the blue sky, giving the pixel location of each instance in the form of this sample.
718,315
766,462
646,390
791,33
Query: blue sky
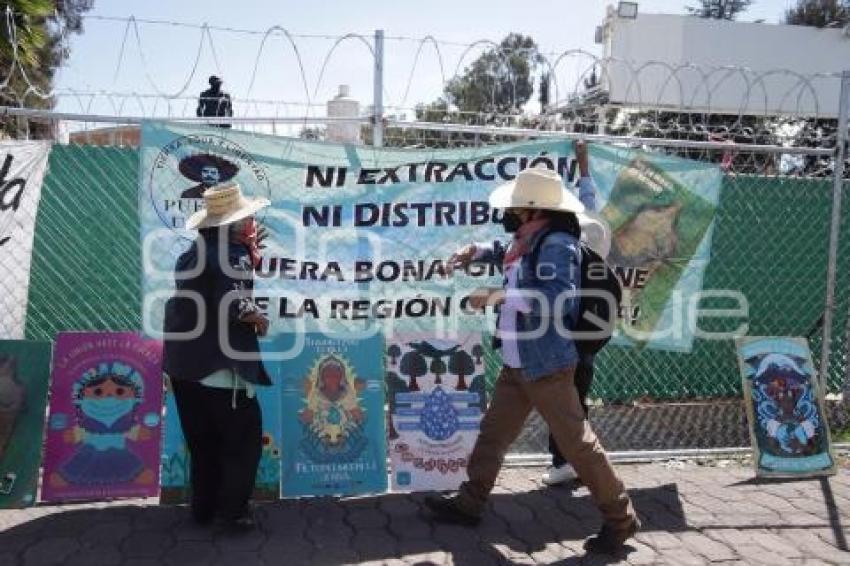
167,56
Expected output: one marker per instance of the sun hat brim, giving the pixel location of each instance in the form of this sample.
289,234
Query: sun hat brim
503,197
202,219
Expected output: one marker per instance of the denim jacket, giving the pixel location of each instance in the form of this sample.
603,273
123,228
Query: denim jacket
551,294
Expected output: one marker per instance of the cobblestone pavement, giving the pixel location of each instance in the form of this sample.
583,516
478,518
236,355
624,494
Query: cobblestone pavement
692,514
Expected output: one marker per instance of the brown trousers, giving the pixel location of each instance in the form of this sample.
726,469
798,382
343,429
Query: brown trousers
556,399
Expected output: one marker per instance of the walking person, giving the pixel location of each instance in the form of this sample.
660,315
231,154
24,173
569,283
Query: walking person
215,390
597,235
539,305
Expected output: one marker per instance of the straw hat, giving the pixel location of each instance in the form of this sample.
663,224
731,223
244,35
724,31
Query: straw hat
537,187
225,204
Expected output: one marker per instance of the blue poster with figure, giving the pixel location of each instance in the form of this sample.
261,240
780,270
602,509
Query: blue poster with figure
332,408
785,408
176,464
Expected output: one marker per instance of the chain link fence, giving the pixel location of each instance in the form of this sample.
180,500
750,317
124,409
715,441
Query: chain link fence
770,243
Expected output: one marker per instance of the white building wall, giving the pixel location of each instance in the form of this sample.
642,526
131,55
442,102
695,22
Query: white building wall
673,61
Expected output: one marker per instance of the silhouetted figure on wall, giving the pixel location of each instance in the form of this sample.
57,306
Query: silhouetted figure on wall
215,103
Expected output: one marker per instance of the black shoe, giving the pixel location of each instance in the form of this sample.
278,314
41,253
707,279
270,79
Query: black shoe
203,517
244,523
449,510
611,541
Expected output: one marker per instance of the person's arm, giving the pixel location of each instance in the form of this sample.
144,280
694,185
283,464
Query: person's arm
492,253
477,252
558,275
201,104
241,308
586,186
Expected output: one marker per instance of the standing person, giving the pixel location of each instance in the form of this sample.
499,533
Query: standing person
539,306
215,103
596,234
215,390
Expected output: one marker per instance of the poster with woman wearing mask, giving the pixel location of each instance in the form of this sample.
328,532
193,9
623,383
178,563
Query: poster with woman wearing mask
103,432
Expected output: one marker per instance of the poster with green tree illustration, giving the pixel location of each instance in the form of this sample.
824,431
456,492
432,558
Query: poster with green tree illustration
436,390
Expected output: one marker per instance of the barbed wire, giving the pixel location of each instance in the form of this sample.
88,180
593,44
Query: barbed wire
649,98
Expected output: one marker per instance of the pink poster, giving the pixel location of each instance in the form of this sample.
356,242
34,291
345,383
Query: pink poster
103,434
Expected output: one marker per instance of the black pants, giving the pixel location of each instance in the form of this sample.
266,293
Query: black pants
225,445
583,379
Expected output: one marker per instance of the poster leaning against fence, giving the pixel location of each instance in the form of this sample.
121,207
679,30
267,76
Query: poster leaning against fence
436,391
785,408
103,433
24,375
21,175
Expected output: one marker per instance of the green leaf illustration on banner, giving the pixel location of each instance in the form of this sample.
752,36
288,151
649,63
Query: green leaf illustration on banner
657,226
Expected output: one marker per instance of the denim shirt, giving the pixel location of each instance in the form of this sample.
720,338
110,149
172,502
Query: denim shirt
554,350
550,292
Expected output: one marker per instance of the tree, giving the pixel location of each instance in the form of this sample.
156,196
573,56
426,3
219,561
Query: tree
500,80
394,352
719,9
35,47
413,365
438,368
819,13
394,385
477,351
461,365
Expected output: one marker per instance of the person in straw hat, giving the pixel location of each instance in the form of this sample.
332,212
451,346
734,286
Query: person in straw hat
211,355
538,307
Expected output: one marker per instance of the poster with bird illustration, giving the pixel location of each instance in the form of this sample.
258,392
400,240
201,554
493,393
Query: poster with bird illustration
785,408
103,431
436,390
24,374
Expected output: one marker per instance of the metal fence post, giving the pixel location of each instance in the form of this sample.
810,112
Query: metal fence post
378,103
835,226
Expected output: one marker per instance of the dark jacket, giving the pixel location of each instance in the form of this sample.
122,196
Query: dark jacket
210,283
214,103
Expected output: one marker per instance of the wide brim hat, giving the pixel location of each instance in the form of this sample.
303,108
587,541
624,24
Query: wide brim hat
225,204
190,167
538,187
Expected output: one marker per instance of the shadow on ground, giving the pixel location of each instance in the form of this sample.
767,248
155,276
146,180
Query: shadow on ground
548,524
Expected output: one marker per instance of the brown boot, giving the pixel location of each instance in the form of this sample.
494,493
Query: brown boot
610,540
449,509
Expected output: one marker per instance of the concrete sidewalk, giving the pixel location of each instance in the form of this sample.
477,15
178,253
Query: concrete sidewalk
692,514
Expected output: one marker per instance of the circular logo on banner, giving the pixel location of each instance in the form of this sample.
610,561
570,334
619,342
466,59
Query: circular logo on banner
189,165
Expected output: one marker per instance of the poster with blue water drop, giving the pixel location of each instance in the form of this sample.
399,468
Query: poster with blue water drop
436,393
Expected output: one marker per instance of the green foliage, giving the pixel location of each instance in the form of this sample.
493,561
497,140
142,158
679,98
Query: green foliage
719,9
819,13
34,47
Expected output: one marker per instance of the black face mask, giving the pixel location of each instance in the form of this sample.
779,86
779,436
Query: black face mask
511,222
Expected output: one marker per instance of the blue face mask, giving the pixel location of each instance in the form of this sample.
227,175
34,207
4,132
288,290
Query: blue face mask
106,410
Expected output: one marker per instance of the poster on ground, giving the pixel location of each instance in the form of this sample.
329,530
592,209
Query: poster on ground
436,391
785,408
24,375
104,427
332,416
176,463
22,166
